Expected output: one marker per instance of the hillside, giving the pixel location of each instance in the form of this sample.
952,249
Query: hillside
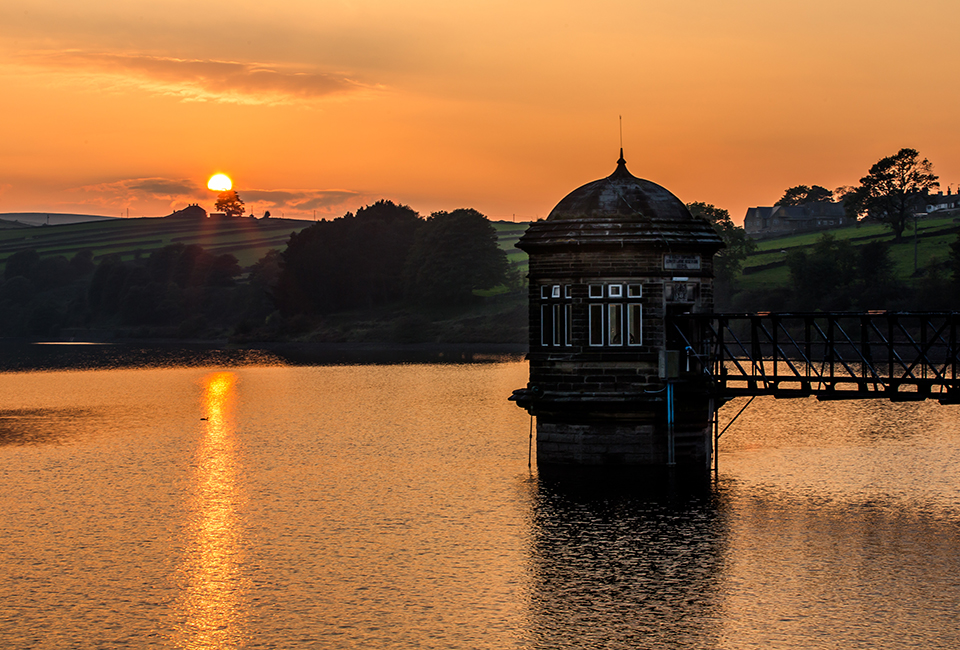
766,267
247,239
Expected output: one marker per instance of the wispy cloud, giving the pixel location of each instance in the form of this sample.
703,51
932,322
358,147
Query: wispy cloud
140,191
159,196
326,202
204,80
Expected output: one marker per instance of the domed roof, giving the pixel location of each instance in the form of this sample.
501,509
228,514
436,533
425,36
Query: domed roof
619,210
622,196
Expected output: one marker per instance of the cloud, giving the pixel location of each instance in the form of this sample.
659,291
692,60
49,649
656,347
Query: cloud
324,201
158,196
205,80
135,190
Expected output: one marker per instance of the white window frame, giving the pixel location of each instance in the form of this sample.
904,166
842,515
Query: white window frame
634,308
596,307
614,323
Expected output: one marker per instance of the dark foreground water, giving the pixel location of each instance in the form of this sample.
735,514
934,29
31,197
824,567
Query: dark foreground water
390,506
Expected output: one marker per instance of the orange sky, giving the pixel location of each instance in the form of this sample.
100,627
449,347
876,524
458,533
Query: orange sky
501,106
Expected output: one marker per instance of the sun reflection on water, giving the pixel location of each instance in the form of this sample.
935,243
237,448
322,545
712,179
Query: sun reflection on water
212,601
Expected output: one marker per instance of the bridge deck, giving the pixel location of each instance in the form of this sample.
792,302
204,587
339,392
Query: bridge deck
902,356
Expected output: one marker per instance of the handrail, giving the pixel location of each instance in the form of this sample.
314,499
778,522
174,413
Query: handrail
838,355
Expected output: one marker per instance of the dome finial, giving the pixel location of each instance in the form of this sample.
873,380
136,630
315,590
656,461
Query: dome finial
621,161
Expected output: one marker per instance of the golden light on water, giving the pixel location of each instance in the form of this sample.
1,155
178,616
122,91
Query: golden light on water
220,183
212,605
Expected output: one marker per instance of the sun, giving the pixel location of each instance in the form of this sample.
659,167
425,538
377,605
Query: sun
219,183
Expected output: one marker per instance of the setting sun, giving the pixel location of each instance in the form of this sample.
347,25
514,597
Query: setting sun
219,183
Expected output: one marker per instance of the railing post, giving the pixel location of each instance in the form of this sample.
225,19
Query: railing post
774,324
953,352
891,384
830,355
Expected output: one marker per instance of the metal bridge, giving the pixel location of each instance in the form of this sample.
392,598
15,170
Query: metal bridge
901,356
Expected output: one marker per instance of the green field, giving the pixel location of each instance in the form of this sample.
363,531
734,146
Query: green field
508,234
934,236
247,239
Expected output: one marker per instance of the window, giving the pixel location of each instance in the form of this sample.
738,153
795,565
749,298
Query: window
556,316
611,320
568,291
557,324
546,325
596,324
634,324
615,323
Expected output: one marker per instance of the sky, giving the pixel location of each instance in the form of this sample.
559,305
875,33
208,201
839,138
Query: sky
316,107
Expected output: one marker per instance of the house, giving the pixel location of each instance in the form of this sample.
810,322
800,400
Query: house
763,222
939,202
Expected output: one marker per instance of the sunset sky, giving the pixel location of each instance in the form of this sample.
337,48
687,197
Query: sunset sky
111,105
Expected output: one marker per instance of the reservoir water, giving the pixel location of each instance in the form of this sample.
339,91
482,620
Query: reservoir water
263,505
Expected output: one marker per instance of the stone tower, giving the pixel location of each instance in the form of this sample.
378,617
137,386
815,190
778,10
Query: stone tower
610,263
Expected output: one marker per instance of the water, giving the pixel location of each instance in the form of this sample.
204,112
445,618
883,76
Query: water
260,505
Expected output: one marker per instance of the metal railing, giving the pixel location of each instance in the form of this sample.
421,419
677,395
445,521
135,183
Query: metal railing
901,356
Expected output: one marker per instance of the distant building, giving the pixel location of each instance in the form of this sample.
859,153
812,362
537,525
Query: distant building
939,202
778,220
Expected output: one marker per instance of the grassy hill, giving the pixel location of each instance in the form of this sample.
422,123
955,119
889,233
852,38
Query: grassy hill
245,238
766,268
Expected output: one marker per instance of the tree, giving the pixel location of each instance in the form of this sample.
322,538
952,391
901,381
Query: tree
453,254
893,190
825,276
801,194
229,203
350,262
22,263
728,262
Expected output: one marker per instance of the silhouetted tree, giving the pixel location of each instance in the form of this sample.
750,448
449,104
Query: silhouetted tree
728,262
82,263
878,284
893,190
800,194
823,277
350,262
229,203
52,272
21,263
453,254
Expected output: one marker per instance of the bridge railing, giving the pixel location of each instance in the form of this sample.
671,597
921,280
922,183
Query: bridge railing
896,355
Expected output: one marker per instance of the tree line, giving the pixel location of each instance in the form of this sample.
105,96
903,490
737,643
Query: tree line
383,255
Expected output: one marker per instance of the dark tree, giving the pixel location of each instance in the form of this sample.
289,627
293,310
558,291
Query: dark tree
878,284
824,277
53,272
802,194
355,261
454,254
229,203
728,262
82,263
21,263
893,190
